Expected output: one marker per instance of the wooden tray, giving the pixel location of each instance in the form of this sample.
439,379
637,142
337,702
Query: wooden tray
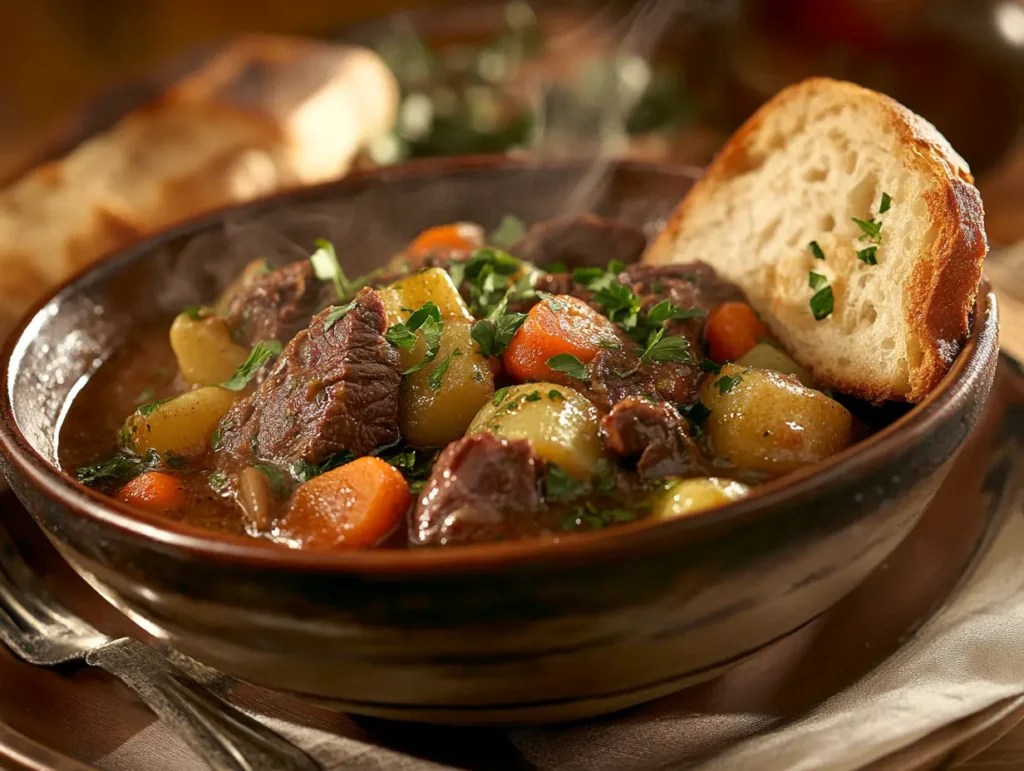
79,718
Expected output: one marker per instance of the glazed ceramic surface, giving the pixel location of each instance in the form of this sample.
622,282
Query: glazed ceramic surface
519,632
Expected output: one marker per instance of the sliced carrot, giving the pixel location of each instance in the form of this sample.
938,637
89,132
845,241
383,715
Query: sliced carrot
459,236
154,490
561,324
731,330
351,507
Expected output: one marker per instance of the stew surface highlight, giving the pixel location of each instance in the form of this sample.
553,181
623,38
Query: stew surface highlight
526,383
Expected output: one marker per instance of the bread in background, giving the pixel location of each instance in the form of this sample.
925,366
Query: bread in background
264,114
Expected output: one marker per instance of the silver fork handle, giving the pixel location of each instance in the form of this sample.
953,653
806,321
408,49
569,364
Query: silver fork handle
226,738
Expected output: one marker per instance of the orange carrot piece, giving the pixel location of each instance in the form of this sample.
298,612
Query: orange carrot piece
154,490
351,507
457,237
731,330
562,324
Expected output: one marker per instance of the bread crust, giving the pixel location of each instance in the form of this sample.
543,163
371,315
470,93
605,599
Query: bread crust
942,287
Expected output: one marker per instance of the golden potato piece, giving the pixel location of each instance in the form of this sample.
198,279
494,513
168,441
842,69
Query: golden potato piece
181,426
688,496
561,424
766,421
205,351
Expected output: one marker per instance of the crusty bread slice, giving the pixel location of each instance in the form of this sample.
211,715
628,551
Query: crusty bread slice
264,114
813,158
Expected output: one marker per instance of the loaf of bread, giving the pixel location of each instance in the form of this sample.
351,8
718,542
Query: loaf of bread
264,114
854,229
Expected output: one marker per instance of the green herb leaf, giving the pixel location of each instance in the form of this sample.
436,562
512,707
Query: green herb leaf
886,203
587,276
620,304
336,314
697,413
871,230
556,267
868,255
555,396
303,471
400,336
217,480
327,268
668,349
117,470
706,365
561,485
145,410
432,329
258,356
177,462
215,439
415,465
666,311
436,376
509,230
493,336
418,318
569,365
821,303
499,395
534,396
816,281
552,302
197,312
616,266
145,395
726,383
816,250
277,478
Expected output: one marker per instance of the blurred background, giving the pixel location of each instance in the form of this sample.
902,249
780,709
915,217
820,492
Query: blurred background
665,80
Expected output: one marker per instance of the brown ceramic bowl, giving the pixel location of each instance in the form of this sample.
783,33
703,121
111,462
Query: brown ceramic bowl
516,632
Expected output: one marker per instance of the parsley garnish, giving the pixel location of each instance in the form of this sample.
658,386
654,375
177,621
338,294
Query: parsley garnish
821,303
217,480
257,358
145,395
609,345
534,396
494,333
706,365
145,410
886,203
620,305
660,348
870,230
561,485
415,465
552,302
196,312
696,413
215,438
868,255
326,266
596,518
500,394
726,383
303,471
569,365
436,376
556,267
402,335
177,462
666,311
336,313
277,478
489,273
509,230
816,250
555,396
118,469
588,276
816,281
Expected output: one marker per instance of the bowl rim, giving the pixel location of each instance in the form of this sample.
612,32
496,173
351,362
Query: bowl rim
861,459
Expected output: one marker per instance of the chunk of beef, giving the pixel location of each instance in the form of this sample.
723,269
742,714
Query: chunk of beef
580,241
481,488
654,435
688,285
334,388
274,305
618,374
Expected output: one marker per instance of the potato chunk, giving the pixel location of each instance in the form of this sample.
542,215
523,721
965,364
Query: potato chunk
766,421
561,424
768,356
435,410
205,351
688,496
181,426
413,292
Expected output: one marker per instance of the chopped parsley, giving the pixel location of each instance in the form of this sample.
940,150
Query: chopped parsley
666,311
609,345
552,302
427,320
215,438
816,250
621,305
217,480
707,365
336,313
569,365
870,230
117,470
534,396
489,274
660,348
499,395
596,517
147,394
726,383
177,462
509,230
886,203
415,465
697,413
494,333
145,410
555,396
816,281
868,255
276,477
436,376
561,485
822,303
303,471
258,356
196,312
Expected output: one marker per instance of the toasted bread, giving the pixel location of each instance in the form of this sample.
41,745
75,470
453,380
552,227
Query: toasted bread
264,114
815,157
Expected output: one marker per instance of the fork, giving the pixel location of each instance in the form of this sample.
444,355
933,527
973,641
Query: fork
41,631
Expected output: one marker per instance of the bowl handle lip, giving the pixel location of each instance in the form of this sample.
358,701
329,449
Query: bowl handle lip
971,372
